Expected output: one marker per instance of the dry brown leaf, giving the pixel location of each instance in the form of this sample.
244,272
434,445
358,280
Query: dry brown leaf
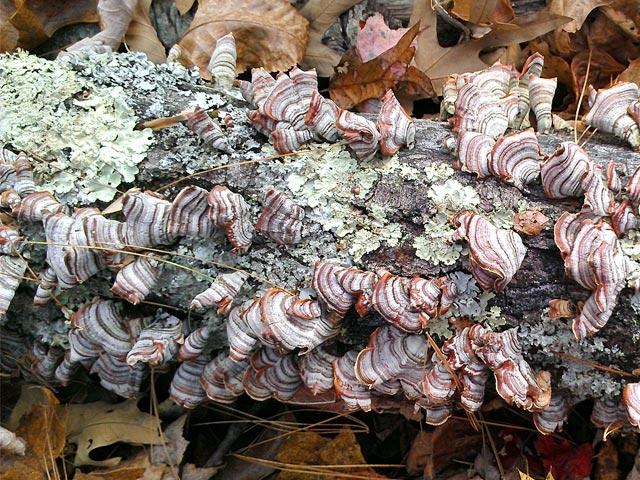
321,14
632,72
439,62
578,10
136,467
607,461
115,16
485,12
9,34
625,15
95,425
375,37
603,70
184,6
309,448
174,446
141,36
357,81
42,429
30,395
420,456
35,21
269,33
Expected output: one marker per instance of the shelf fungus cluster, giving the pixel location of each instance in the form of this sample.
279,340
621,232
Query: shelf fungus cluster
81,244
278,348
290,110
589,239
280,343
490,101
616,110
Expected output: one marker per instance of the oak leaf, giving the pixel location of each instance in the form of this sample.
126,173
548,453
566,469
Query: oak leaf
268,33
98,424
577,10
115,16
485,12
27,23
375,37
439,62
184,6
321,14
141,35
356,82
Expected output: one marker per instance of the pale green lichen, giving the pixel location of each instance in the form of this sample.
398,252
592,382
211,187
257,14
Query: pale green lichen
327,182
470,303
502,217
81,134
545,335
438,171
434,246
451,196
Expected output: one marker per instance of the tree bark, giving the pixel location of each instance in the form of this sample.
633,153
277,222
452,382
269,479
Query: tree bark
385,200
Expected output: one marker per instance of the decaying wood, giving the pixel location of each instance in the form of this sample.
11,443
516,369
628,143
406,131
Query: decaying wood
406,202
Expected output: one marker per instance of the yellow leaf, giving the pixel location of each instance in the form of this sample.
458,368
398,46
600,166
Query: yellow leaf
268,33
41,426
525,476
309,448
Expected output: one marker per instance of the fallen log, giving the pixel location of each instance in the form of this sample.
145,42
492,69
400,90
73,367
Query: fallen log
391,213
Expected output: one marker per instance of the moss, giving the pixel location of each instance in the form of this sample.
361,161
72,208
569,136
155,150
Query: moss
81,134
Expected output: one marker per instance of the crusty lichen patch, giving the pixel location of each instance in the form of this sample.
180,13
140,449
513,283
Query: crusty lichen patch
327,183
81,134
546,336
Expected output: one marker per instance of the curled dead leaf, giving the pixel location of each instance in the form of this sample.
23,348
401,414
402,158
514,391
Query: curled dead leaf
356,82
439,62
95,425
141,35
530,222
269,34
28,24
485,12
321,14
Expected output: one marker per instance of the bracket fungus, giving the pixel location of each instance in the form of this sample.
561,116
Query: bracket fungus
281,343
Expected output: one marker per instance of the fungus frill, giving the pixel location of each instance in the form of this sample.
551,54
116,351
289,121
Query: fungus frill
494,254
222,65
609,111
631,400
515,380
593,258
281,219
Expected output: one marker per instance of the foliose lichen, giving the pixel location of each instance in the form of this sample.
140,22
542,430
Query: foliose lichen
81,134
544,337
